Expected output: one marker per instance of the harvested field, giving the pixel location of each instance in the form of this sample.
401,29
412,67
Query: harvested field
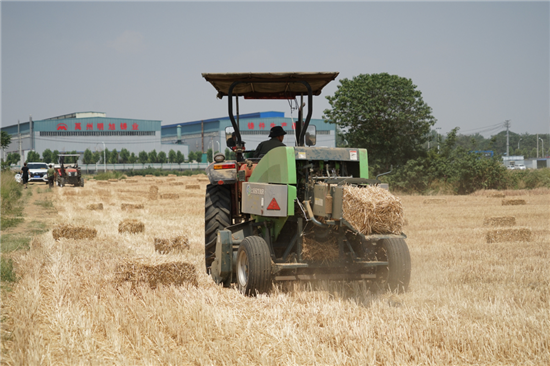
169,196
513,202
67,192
469,302
131,226
192,186
435,201
73,232
131,206
500,221
95,206
503,235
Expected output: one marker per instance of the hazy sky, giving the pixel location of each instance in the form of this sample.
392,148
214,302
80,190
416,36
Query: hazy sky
477,64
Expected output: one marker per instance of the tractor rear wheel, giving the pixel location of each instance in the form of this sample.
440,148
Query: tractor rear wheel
396,276
217,216
82,182
254,266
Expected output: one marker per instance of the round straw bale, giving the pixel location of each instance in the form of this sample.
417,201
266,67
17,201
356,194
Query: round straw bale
193,186
131,226
435,201
509,234
95,206
131,206
513,202
169,196
155,272
73,232
372,209
500,221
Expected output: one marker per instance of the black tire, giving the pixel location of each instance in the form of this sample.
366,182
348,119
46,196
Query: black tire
396,276
82,182
253,267
217,216
62,182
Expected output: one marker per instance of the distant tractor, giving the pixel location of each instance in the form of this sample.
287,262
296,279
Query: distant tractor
260,212
68,174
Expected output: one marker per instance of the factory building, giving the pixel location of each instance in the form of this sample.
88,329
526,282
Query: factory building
211,133
95,131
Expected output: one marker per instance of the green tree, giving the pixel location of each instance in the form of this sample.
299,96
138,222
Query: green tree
143,157
33,156
47,156
172,156
194,156
209,155
383,113
179,157
132,159
55,156
13,158
152,156
6,139
88,157
113,158
105,155
124,156
162,157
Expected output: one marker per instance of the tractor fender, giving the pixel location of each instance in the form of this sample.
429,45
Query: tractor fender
222,176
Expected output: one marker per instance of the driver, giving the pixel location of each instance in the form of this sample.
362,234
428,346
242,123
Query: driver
277,135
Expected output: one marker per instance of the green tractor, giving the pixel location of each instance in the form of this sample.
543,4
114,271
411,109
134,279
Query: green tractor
260,211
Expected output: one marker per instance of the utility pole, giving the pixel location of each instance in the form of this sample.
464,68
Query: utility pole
537,145
519,142
19,134
543,155
437,128
507,125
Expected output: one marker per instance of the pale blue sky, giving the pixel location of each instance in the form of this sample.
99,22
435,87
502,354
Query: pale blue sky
476,63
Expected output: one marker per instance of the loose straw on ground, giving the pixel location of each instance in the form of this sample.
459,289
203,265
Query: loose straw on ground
435,201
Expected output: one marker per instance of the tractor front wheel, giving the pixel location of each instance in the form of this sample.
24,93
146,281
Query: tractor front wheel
254,266
62,182
217,216
396,276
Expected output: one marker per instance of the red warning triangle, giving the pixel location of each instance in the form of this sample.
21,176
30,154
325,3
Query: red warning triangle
273,205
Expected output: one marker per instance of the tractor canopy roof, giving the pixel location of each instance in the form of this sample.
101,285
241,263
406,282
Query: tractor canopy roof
269,85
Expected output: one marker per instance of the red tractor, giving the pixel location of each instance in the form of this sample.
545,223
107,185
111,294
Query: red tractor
68,174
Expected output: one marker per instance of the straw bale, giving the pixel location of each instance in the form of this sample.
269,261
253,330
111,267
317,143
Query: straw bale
169,196
513,202
130,180
193,186
70,193
95,206
153,273
153,192
203,180
159,181
172,175
176,184
313,250
170,179
73,232
177,244
102,192
510,234
435,201
113,180
372,209
496,195
131,226
500,221
149,175
131,206
102,182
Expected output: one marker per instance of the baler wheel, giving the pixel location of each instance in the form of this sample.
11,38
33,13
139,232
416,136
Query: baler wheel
217,216
396,276
254,266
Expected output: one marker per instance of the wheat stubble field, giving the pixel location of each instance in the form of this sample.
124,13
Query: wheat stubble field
470,302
